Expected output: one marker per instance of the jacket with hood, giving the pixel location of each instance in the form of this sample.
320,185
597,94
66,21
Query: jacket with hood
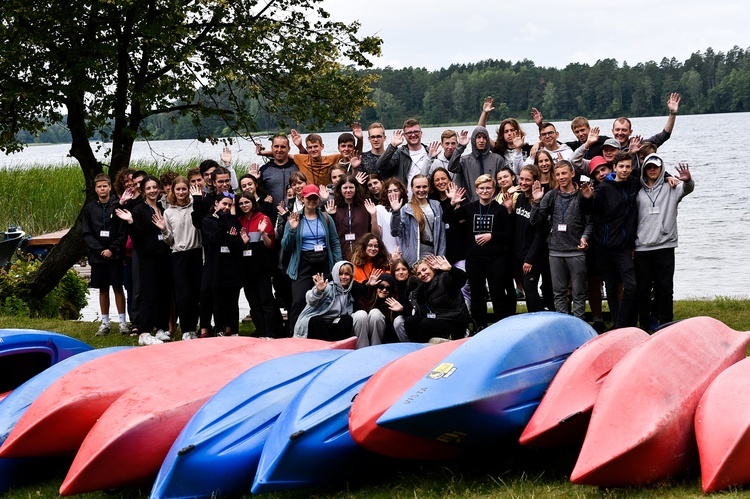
470,166
657,211
275,178
442,296
292,242
562,208
334,301
180,232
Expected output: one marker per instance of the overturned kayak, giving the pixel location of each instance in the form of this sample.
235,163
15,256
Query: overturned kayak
130,440
310,443
722,429
564,413
218,450
487,389
15,471
641,428
383,389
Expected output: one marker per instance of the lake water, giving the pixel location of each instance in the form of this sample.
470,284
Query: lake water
713,220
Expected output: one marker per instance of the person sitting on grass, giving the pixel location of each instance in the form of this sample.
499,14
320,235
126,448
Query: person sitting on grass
105,239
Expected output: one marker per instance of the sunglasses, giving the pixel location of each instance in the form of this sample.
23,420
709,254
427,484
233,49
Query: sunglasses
384,287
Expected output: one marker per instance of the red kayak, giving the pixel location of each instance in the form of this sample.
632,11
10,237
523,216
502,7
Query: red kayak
722,429
386,387
79,398
641,428
564,413
128,443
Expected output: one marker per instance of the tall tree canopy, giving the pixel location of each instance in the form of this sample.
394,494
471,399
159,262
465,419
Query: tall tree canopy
109,65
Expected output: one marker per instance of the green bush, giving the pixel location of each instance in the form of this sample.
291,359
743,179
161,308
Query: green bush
63,302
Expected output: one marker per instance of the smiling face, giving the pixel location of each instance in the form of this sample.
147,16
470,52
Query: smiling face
601,172
384,290
564,177
280,150
449,145
151,190
197,181
623,169
581,132
544,163
609,153
208,176
401,272
223,182
652,172
336,174
621,131
181,192
314,149
376,136
248,185
374,185
504,179
548,135
413,135
346,149
420,187
440,180
525,181
298,186
372,248
224,204
345,275
424,272
485,191
246,206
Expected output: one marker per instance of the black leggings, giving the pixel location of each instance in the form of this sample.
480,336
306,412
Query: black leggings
420,329
324,329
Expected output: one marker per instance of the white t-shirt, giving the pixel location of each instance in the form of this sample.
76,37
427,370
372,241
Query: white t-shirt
384,222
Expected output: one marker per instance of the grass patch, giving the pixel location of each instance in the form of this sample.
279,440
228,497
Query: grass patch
509,472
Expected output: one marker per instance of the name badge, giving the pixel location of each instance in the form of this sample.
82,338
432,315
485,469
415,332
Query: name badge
349,237
103,233
654,210
247,253
336,320
447,226
224,249
562,227
431,315
318,247
160,237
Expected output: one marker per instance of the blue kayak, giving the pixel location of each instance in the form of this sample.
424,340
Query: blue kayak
24,353
218,450
310,442
488,388
15,471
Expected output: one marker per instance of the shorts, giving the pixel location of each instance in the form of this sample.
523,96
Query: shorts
104,275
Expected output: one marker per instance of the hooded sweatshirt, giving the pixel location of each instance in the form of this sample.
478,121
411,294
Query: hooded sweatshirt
334,301
470,166
657,211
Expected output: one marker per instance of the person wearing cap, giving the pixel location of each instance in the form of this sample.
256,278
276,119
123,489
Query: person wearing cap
310,237
656,240
612,206
609,148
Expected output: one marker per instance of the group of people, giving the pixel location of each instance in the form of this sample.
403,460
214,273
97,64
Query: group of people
400,243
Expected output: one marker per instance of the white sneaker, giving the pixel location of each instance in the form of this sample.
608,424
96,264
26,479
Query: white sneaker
125,328
162,335
103,330
190,335
147,339
437,340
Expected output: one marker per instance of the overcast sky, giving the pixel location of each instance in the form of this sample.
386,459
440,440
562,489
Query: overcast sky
438,33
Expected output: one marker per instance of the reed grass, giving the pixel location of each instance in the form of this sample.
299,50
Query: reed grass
497,473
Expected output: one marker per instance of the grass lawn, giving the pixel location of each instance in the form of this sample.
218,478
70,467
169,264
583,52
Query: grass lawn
497,472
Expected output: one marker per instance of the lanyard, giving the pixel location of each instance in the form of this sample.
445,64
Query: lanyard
653,200
564,207
309,227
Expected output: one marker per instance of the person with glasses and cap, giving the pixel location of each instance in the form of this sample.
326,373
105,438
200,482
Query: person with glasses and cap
311,239
656,240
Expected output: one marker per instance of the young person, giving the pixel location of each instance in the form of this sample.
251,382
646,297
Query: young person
352,213
384,213
377,310
569,232
329,306
405,156
479,161
369,256
376,137
105,239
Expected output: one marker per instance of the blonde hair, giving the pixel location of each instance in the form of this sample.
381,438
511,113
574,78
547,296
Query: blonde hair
414,202
483,179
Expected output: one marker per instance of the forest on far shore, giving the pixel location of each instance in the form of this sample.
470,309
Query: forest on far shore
709,82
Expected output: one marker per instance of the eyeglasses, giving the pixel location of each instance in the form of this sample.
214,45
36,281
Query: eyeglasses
547,134
384,287
375,136
485,188
413,134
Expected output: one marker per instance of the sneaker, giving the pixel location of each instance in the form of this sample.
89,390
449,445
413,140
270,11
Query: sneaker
125,328
190,335
103,330
437,340
599,326
162,335
147,339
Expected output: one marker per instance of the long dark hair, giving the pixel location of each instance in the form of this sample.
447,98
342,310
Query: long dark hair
359,195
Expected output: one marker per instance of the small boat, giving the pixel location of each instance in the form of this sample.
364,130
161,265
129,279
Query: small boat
9,243
310,443
16,471
564,413
642,427
384,388
722,429
24,353
485,391
130,440
77,400
218,450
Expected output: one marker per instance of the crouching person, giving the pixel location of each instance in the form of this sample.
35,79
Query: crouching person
328,313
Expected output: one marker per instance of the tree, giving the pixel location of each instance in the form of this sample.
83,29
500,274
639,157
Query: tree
110,65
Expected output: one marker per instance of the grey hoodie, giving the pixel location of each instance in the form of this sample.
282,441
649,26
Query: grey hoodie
657,211
334,301
468,168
